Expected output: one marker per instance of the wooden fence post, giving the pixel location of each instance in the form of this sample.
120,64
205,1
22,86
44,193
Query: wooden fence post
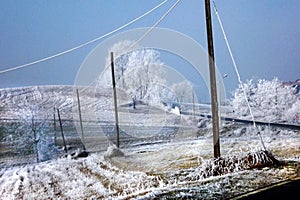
80,118
62,133
115,96
194,105
54,126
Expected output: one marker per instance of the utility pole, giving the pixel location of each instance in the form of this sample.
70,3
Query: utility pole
213,88
115,96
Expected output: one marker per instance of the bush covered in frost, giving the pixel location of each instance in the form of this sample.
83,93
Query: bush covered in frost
270,101
234,163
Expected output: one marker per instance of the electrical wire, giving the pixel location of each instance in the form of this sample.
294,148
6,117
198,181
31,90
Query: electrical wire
84,44
158,22
146,33
237,71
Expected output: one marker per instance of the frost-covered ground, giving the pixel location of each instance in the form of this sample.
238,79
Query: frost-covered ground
179,168
176,166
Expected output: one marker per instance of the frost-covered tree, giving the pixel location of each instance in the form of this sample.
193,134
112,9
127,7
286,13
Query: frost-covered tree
29,136
290,113
121,51
137,71
269,100
184,91
161,94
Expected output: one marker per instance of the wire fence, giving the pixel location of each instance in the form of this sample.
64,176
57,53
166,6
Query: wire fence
26,142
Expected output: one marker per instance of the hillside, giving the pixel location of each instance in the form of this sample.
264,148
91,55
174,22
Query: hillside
15,102
28,113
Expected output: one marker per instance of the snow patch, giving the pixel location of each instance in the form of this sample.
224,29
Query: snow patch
113,151
175,111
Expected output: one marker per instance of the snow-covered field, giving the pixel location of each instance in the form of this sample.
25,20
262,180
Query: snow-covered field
165,170
181,166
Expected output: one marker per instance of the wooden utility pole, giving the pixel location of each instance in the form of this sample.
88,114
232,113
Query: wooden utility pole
115,96
80,118
213,88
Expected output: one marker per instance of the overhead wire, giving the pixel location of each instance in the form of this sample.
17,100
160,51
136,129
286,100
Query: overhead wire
146,33
237,71
84,44
137,41
158,21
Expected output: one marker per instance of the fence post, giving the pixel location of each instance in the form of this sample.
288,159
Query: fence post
33,129
193,105
80,118
54,126
62,133
115,96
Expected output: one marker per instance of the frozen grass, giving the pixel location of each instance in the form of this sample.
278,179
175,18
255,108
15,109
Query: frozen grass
179,169
66,178
182,168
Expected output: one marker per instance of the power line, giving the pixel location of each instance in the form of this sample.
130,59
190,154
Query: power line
159,21
84,44
143,36
237,71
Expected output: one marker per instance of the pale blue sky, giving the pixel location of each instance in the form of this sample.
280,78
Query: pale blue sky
263,34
